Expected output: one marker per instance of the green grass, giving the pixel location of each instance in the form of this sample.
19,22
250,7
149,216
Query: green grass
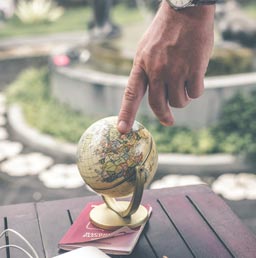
251,9
74,19
31,91
123,15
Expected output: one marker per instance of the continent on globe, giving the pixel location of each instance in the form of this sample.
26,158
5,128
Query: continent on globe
107,159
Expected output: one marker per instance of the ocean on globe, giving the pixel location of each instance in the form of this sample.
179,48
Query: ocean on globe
107,159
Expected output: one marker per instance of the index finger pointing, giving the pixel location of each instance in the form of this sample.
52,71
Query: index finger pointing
134,92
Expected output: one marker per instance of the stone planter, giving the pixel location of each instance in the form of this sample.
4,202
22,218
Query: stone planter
98,93
170,163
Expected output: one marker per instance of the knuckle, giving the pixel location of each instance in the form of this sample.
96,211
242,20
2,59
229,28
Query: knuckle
139,60
126,115
155,80
130,94
156,107
176,73
159,68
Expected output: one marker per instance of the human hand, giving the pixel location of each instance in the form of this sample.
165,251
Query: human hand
171,61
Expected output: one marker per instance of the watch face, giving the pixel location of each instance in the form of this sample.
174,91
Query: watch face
180,3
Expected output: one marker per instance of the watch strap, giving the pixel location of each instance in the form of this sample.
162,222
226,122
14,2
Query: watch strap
191,3
202,2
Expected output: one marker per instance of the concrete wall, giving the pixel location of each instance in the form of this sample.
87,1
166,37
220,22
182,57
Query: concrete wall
96,93
11,67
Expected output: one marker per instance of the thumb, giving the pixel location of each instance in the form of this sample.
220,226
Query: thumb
134,92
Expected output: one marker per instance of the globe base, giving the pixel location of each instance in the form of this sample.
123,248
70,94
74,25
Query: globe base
103,217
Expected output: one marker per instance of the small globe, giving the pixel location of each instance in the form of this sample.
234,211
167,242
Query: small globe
107,160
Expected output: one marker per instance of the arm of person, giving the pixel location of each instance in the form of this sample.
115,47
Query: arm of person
170,62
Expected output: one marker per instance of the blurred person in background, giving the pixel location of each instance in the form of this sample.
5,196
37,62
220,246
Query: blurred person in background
101,26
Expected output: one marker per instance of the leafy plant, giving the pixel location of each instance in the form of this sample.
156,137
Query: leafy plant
38,11
236,130
234,133
179,139
32,92
226,60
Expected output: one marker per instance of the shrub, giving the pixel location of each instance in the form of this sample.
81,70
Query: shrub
31,90
37,11
226,60
236,130
234,133
179,139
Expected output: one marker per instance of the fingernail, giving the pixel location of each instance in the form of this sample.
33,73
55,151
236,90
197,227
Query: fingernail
168,122
122,126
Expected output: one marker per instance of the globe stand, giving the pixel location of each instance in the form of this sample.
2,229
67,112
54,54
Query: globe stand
114,214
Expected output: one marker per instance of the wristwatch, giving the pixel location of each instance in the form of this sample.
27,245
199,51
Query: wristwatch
180,4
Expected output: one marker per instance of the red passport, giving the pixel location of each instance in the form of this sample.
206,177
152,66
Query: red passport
83,233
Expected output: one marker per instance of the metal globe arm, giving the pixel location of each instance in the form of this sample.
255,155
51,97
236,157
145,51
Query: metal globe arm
114,205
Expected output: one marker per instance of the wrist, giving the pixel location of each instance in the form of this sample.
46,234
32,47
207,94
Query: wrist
196,12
